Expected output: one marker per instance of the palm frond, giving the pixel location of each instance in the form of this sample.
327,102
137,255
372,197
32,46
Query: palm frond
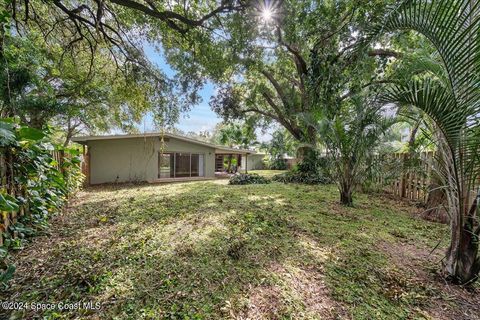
433,99
453,28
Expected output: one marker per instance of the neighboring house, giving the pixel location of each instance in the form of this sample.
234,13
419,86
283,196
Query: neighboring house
255,161
151,157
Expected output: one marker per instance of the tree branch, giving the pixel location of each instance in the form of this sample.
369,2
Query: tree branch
264,113
281,117
276,85
170,17
385,53
297,57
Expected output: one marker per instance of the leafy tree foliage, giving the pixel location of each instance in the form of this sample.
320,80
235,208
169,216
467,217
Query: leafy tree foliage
34,184
99,77
280,145
236,135
271,61
45,86
351,134
448,93
119,26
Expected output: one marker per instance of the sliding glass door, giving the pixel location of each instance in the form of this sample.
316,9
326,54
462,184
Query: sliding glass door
194,165
181,165
165,165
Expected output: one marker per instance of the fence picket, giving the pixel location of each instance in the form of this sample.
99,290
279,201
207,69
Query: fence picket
10,218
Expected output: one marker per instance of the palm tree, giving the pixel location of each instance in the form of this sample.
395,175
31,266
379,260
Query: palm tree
236,135
450,96
351,135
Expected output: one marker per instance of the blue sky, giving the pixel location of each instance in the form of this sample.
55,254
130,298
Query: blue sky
200,117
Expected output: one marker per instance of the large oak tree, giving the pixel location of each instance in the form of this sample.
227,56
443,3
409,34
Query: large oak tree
267,61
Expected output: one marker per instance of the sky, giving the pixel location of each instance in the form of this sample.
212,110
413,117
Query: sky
200,117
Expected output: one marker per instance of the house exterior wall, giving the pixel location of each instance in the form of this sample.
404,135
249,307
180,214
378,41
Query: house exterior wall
254,162
136,159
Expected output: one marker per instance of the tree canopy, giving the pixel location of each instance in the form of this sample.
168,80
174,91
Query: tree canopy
334,75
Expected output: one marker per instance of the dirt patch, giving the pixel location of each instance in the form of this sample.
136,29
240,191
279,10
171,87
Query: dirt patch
304,285
264,303
447,301
308,283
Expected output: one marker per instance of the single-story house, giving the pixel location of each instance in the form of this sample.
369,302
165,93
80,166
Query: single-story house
153,157
255,161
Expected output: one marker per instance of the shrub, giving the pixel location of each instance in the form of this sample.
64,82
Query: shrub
295,176
39,184
252,178
276,164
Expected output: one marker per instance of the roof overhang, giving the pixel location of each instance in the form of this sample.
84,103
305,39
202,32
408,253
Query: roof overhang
218,149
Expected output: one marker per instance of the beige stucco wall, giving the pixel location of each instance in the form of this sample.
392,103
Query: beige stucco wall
136,159
254,162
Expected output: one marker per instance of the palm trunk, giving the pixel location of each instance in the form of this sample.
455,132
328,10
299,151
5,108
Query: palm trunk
346,194
413,137
436,201
346,198
437,197
462,262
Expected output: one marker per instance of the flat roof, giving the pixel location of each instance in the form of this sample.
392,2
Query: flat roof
218,149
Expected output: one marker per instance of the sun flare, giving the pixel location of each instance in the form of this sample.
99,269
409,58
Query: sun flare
267,14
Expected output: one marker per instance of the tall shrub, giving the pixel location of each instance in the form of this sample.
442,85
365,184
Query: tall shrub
34,185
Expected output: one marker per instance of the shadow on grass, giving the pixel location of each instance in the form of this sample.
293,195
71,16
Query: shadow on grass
178,251
207,250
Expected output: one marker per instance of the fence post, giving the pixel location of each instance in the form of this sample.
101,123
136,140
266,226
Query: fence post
86,165
403,183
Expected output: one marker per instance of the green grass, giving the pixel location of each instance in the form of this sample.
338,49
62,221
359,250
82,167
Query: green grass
267,173
208,250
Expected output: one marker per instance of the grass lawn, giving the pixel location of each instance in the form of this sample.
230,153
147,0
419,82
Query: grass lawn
267,173
208,250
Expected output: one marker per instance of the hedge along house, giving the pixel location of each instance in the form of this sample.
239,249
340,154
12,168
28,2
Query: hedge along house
152,157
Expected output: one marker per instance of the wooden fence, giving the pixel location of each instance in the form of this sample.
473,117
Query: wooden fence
413,184
9,218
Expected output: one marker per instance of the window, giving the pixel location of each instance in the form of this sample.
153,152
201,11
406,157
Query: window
181,165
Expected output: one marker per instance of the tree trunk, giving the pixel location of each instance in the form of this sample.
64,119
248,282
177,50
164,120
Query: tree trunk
436,203
462,262
463,266
69,134
308,158
413,137
346,196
